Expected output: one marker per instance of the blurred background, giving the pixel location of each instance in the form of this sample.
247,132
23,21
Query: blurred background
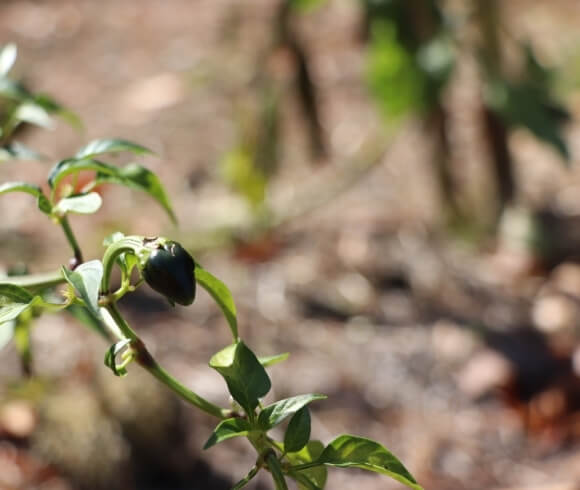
389,187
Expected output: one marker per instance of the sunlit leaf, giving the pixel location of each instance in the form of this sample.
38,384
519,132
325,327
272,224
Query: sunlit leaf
13,90
221,295
34,114
392,73
11,292
226,429
111,357
306,5
6,333
8,55
101,146
246,378
354,451
88,319
138,177
83,204
18,151
312,478
10,311
41,200
275,413
86,279
73,165
51,106
268,361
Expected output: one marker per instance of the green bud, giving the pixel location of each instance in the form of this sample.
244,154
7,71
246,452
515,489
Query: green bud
170,270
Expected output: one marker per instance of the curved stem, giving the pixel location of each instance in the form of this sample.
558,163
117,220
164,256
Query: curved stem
146,360
244,481
78,255
127,244
35,281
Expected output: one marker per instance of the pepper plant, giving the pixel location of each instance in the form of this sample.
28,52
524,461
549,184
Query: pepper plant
85,289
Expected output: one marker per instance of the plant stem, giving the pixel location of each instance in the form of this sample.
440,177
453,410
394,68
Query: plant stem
276,471
244,481
35,281
146,360
78,255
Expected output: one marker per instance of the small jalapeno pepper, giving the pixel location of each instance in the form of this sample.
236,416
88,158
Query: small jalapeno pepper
170,270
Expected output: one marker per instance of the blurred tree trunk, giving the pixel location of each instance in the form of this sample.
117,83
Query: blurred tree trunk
496,132
306,88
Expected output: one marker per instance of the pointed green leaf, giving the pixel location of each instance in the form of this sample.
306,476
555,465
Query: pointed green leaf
247,380
51,106
221,295
268,361
12,293
82,204
313,478
226,429
100,146
13,90
11,311
86,279
33,114
18,151
298,431
73,165
8,55
6,333
111,357
133,176
41,200
276,470
275,413
138,177
353,451
85,316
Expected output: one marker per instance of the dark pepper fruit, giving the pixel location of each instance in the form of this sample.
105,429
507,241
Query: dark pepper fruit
170,271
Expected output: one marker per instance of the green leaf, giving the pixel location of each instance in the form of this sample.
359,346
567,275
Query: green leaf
73,165
348,451
111,357
276,470
298,431
101,146
275,413
11,311
392,75
18,151
133,176
247,380
13,90
51,106
41,200
312,478
6,333
239,170
14,293
82,204
8,55
34,114
530,104
84,316
306,5
268,361
221,295
86,279
226,429
138,177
